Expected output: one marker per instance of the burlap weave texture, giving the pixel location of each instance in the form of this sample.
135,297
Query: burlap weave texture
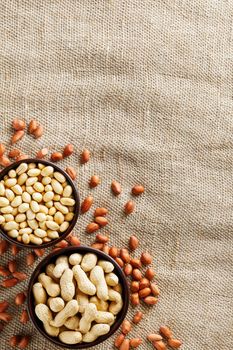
147,87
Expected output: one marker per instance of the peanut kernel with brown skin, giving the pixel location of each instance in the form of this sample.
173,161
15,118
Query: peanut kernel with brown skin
126,327
94,181
113,252
4,305
133,242
100,211
71,172
92,227
137,317
154,337
2,149
116,188
86,204
23,343
137,190
174,343
56,156
38,132
85,156
119,340
129,207
165,331
68,150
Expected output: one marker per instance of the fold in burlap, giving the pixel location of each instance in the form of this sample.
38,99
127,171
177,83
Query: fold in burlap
147,87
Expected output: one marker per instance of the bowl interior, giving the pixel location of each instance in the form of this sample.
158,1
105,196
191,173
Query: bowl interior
82,250
76,206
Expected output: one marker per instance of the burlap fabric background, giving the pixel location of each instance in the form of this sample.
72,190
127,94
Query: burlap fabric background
147,87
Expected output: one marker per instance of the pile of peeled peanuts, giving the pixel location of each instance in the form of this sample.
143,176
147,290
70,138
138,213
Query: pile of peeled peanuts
36,203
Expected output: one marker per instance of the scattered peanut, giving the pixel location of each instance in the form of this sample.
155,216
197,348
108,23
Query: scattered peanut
150,300
129,207
4,161
4,316
56,156
2,149
23,343
113,252
68,150
135,342
92,227
14,153
3,247
116,188
120,262
14,340
24,317
20,298
94,181
71,172
4,306
42,153
100,220
4,272
133,242
146,258
154,337
137,317
138,189
119,340
10,282
136,274
154,289
135,299
136,263
17,136
165,332
21,276
86,204
101,238
14,249
144,283
101,212
85,156
124,254
134,286
159,345
33,125
18,124
126,327
128,269
174,343
124,345
38,132
150,274
12,266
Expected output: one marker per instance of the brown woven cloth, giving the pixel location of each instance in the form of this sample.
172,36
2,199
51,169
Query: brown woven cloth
147,87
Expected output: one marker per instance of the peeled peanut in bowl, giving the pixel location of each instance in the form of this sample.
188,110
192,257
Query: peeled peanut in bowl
39,203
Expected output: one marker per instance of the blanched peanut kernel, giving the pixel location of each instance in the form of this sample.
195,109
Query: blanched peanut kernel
36,203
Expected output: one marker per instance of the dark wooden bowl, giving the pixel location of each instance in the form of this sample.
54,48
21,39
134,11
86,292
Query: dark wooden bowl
51,259
76,207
